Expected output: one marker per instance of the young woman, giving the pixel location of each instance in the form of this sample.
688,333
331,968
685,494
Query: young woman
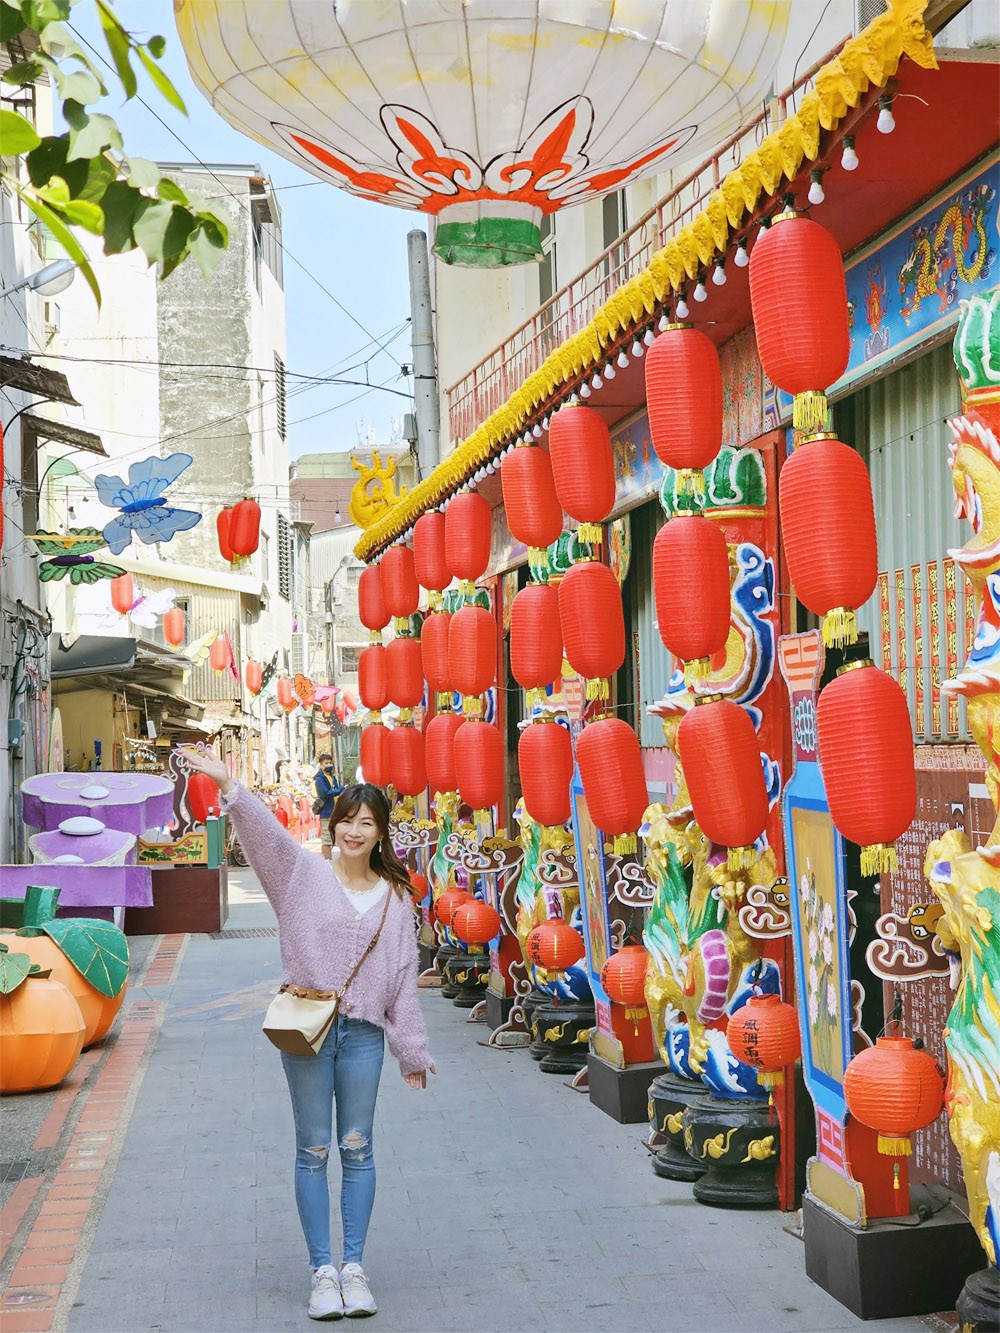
327,914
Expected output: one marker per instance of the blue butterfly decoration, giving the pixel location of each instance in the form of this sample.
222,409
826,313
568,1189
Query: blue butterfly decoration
144,513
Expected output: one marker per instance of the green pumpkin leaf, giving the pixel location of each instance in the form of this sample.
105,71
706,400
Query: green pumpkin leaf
14,968
97,949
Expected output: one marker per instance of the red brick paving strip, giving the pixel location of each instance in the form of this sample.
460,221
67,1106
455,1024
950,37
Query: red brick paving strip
51,1254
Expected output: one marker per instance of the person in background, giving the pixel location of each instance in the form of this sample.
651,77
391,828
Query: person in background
328,788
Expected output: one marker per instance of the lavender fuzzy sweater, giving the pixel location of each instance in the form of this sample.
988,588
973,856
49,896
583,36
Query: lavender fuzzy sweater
322,936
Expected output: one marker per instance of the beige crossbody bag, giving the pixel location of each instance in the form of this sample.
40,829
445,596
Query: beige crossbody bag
299,1018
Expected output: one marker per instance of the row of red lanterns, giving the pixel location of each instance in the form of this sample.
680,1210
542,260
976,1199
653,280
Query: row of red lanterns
456,753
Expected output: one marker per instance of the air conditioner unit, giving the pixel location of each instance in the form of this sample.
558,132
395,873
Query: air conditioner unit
300,654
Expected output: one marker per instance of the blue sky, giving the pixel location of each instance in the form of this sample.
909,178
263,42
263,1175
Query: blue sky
356,250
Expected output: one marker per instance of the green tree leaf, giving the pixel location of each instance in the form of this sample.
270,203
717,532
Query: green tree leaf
207,249
64,236
143,174
169,189
14,968
89,135
156,46
119,46
120,203
17,135
162,230
84,214
25,71
162,83
80,86
97,949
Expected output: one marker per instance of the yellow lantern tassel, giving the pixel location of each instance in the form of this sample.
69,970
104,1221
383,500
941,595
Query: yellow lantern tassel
533,697
840,627
598,688
467,588
895,1147
636,1015
442,702
480,816
879,858
375,716
690,481
435,600
624,844
374,636
592,533
770,1079
405,716
810,411
402,626
741,858
472,706
699,668
895,1175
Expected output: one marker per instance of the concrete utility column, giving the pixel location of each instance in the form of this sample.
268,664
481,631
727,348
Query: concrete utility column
425,387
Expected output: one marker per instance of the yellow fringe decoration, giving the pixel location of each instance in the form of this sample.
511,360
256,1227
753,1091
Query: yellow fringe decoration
690,481
533,697
879,858
598,688
374,636
591,533
374,717
481,816
741,858
435,600
698,669
467,588
472,706
443,702
770,1079
405,716
624,844
810,411
840,627
402,626
889,1147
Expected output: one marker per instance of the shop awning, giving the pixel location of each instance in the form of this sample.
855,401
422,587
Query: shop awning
38,380
103,662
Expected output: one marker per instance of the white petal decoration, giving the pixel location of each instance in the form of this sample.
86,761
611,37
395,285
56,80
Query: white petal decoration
81,826
68,859
94,792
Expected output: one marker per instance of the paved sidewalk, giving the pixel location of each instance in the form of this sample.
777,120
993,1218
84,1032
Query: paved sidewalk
505,1200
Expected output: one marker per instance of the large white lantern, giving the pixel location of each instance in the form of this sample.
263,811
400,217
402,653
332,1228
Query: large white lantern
486,114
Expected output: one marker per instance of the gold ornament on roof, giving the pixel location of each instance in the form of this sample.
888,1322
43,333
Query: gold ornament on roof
374,492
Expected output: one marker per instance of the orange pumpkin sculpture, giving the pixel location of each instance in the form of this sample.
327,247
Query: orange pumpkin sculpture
41,1027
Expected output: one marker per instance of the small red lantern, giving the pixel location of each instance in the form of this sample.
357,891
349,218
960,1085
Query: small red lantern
536,646
253,675
718,750
798,296
828,532
173,627
218,654
122,594
405,672
554,946
445,905
407,769
592,624
583,467
375,754
865,742
614,782
244,528
468,535
439,745
479,756
894,1088
373,677
623,977
475,923
765,1035
400,590
283,690
371,605
545,763
429,562
434,634
684,398
472,651
419,887
534,514
328,703
222,523
202,796
691,589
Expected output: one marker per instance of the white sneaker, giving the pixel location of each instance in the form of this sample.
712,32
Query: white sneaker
358,1298
325,1300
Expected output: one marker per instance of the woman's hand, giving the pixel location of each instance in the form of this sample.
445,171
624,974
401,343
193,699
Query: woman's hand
419,1078
209,763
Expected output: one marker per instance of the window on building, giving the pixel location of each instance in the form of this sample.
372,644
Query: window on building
614,213
284,558
265,556
350,655
280,395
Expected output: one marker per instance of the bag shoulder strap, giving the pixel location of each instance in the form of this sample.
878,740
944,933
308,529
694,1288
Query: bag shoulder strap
372,942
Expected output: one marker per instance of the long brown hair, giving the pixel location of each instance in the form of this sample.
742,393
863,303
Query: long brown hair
383,859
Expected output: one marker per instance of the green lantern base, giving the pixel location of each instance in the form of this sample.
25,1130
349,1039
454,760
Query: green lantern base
488,242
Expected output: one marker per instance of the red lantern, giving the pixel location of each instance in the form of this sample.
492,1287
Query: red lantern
281,815
253,675
894,1088
400,590
122,594
592,624
445,905
554,946
419,887
623,977
373,677
472,651
371,605
407,770
798,296
479,756
583,467
765,1035
375,754
442,775
534,514
173,626
691,589
475,923
434,635
202,796
284,691
536,647
718,750
429,563
468,535
828,532
244,528
866,757
614,783
218,654
222,523
328,703
405,672
545,763
684,400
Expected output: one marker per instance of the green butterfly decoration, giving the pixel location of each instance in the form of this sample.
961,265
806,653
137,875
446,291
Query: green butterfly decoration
70,554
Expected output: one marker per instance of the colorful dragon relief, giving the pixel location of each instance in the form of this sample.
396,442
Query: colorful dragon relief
548,889
955,249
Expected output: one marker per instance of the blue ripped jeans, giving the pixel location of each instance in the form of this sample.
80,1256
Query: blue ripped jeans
345,1071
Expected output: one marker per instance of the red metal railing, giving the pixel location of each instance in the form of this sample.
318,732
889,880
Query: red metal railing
490,383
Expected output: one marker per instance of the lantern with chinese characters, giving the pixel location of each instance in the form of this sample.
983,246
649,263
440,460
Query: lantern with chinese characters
623,977
434,651
828,533
375,754
865,741
407,767
202,797
691,590
405,672
554,946
684,399
446,904
475,923
895,1089
173,627
592,624
614,783
371,604
536,646
400,590
222,521
472,654
244,528
439,747
122,594
429,562
218,654
534,514
718,750
283,689
583,467
479,755
373,677
545,765
468,535
253,675
764,1034
798,296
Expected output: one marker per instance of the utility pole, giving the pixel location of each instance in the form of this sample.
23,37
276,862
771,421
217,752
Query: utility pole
425,383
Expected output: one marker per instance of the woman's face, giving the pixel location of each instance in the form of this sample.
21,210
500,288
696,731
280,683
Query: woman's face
357,834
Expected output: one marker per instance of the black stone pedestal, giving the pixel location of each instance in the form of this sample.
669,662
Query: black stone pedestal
498,1009
441,959
890,1269
978,1307
623,1094
564,1034
531,1006
669,1095
468,974
738,1142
